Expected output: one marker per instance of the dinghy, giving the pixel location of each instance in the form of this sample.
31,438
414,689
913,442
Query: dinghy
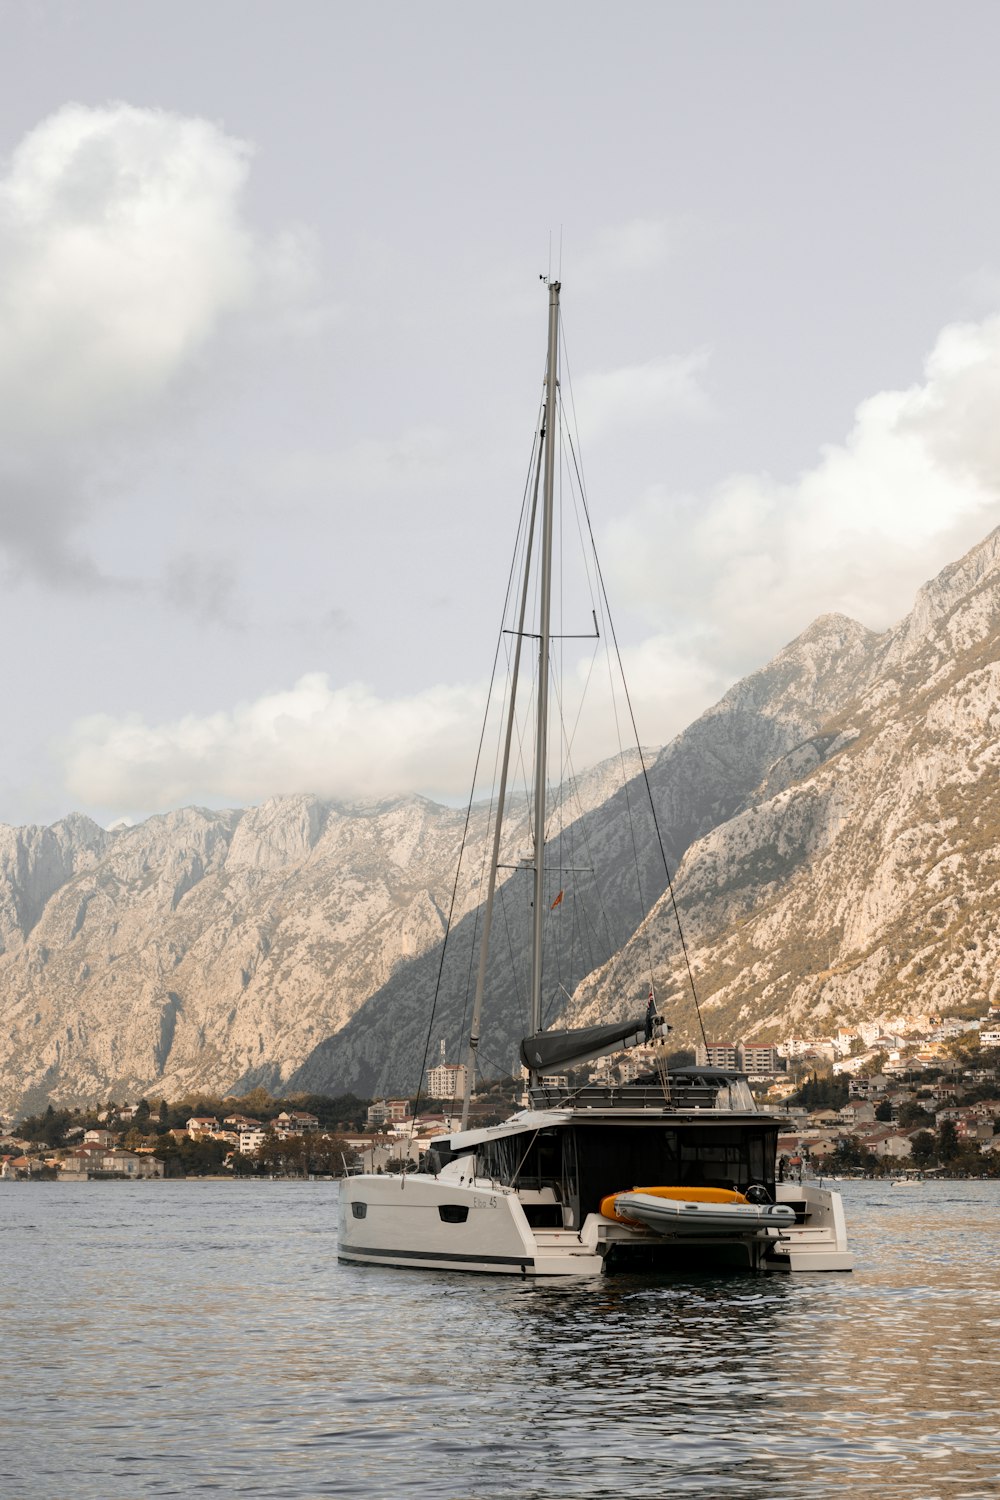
696,1211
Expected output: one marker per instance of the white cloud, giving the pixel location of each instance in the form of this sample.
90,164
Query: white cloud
659,390
123,248
348,743
343,742
917,481
724,581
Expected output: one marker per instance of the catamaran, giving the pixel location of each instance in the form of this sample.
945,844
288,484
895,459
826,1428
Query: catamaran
672,1167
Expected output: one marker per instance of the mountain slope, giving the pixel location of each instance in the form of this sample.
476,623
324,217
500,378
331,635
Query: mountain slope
697,782
863,877
296,944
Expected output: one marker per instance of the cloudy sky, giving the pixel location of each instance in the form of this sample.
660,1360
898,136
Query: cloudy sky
271,334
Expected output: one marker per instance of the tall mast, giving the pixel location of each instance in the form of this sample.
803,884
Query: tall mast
484,942
545,607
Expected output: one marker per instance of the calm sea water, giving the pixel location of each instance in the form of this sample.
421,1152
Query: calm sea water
181,1338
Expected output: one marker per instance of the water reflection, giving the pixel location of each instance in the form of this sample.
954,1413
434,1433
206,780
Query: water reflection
170,1338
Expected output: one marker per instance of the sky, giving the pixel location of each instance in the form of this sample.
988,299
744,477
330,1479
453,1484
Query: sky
272,334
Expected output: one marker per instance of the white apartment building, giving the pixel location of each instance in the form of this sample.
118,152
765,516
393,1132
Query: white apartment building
447,1080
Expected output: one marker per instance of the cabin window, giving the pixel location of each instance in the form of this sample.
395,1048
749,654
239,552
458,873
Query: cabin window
359,1210
453,1213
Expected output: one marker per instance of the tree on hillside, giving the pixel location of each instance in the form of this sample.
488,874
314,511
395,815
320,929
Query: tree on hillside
947,1143
964,1049
258,1104
48,1129
191,1158
911,1115
826,1091
923,1148
851,1154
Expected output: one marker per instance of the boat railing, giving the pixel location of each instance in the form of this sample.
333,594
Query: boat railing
682,1093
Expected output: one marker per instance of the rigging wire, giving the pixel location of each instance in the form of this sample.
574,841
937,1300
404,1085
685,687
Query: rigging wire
642,758
511,576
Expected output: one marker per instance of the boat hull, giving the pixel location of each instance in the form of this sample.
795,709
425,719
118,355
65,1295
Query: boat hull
428,1223
818,1241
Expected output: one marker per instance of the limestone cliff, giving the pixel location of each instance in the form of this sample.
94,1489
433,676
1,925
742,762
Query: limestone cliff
835,819
861,879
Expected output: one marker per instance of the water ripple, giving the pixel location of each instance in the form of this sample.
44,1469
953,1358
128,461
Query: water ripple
174,1339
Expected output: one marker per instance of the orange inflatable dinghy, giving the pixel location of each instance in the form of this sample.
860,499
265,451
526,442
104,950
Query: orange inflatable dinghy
684,1194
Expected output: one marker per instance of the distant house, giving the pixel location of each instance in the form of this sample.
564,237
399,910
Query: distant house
99,1137
91,1161
296,1122
75,1163
382,1110
202,1125
888,1143
857,1112
127,1164
970,1128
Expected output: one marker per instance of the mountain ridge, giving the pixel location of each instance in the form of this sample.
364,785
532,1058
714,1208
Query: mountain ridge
297,944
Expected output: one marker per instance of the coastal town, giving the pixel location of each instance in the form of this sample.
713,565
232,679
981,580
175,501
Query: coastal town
914,1093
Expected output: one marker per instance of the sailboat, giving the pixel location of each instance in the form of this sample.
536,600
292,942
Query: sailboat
674,1167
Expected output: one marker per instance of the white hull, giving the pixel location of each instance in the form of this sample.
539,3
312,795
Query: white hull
819,1240
403,1225
442,1224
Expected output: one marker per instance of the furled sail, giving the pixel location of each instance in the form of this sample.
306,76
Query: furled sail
562,1049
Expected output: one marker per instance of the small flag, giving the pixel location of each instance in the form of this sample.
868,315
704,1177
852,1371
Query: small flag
556,901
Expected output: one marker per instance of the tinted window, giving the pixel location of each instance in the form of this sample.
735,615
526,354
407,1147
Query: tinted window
359,1210
453,1213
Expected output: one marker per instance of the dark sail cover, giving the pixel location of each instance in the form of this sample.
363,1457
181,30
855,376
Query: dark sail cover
552,1049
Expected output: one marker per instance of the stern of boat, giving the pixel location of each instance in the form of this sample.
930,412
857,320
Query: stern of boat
448,1224
818,1239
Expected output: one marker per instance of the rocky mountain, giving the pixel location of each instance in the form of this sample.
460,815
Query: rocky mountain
834,819
862,877
297,944
697,782
218,949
